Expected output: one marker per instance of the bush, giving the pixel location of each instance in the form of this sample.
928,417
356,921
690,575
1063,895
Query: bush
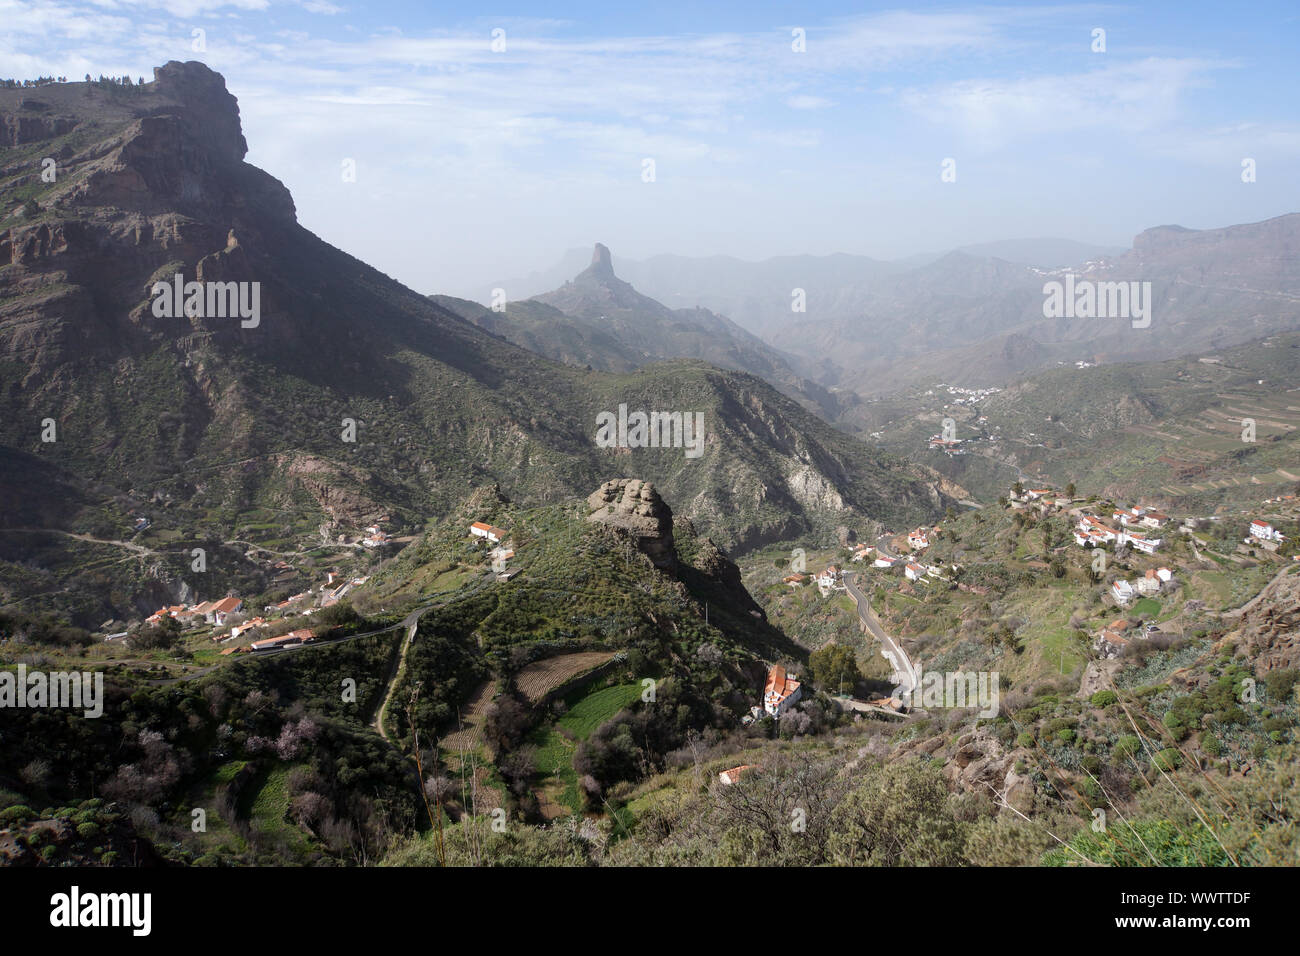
1104,698
1126,746
1168,759
16,815
1279,683
1026,739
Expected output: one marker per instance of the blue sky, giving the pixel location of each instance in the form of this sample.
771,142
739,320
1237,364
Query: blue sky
474,164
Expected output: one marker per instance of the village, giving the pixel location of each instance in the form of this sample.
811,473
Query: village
230,620
1111,536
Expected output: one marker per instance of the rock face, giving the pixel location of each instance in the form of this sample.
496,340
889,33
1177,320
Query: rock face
633,507
976,762
1270,629
601,263
1098,675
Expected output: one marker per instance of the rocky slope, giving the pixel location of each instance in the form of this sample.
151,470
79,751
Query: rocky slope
1270,627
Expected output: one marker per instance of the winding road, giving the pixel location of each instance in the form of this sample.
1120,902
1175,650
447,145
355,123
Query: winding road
904,677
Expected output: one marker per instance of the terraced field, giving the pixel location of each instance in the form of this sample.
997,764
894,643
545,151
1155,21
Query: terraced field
541,677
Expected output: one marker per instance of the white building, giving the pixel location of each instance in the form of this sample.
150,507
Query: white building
781,691
1263,531
1141,542
482,530
1122,592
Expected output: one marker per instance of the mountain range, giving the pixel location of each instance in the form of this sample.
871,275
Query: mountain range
350,398
976,315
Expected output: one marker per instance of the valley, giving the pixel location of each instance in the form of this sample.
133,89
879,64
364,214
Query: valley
391,579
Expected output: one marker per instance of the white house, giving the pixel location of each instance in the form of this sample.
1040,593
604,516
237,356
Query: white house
781,691
1165,575
216,612
1155,519
483,530
1141,542
1263,531
1122,592
829,579
882,562
919,539
914,571
1148,583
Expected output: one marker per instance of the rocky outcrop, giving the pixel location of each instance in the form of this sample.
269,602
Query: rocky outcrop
978,763
601,263
1270,629
633,508
1098,675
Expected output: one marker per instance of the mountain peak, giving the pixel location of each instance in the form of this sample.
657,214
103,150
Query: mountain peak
601,262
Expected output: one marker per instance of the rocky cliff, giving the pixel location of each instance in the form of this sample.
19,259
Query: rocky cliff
633,507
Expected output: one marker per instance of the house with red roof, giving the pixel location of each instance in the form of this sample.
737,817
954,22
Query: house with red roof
781,692
481,529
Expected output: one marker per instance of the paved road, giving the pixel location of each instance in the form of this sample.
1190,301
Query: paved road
904,673
883,548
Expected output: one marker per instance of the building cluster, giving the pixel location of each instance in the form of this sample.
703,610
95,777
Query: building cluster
217,613
830,580
962,395
1152,582
950,446
1111,641
1045,500
208,612
1092,532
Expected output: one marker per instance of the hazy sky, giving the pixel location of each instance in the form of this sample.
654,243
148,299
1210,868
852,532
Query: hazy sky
474,163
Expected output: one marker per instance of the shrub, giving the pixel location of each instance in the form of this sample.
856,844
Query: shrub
16,815
1026,739
1126,746
1104,698
1279,683
1168,759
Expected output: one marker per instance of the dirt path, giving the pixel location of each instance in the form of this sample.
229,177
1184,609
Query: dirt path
412,623
136,548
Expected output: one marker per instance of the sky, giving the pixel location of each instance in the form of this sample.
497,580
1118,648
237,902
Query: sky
486,144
